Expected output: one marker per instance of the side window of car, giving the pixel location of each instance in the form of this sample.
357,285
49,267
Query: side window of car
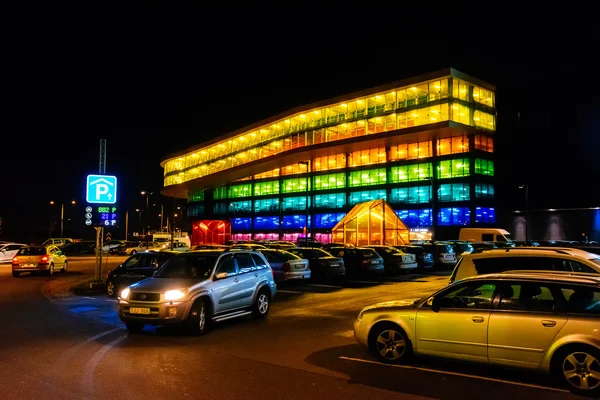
580,267
258,260
245,263
227,264
582,300
132,262
146,260
527,297
469,296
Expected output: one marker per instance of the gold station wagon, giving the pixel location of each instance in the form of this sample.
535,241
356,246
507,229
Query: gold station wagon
543,321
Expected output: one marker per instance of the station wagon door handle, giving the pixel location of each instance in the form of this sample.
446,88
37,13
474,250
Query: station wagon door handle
236,280
478,319
548,323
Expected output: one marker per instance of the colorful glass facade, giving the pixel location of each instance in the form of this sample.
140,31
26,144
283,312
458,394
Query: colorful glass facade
435,168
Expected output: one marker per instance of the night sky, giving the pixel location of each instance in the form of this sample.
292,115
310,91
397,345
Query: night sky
153,81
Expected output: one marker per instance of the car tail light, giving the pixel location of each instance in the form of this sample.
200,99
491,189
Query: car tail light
44,260
365,262
273,273
286,267
15,260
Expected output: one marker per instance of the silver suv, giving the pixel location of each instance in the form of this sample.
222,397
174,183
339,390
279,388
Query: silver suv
198,288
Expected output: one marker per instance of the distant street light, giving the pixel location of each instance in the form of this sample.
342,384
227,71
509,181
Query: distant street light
147,194
526,187
62,215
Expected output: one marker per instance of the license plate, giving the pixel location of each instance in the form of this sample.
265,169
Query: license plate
28,265
375,262
334,265
300,267
138,310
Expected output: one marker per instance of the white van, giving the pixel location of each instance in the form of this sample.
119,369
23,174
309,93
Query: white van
484,235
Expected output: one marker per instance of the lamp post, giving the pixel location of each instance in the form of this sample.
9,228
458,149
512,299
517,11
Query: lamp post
162,213
526,188
62,215
147,194
307,163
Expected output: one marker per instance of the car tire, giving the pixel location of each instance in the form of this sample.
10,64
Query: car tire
16,274
134,327
573,365
198,322
111,288
389,343
133,252
50,271
262,304
65,266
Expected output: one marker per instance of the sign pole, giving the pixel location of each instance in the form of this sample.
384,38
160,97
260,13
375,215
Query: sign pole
100,230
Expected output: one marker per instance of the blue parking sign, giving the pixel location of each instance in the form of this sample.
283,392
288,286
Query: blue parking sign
101,189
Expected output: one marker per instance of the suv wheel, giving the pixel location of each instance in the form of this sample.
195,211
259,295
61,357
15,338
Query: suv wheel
262,304
198,321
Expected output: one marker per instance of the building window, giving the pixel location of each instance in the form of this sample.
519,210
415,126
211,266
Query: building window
269,174
241,224
220,193
483,96
415,218
240,191
265,205
454,192
485,215
410,173
330,162
460,89
294,221
197,195
266,188
367,157
328,220
195,210
453,145
293,203
484,143
293,169
331,200
266,222
293,185
484,191
410,151
460,113
331,181
454,216
453,168
367,195
367,177
484,120
240,206
484,167
411,195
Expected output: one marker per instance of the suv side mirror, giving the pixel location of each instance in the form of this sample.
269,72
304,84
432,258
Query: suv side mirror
435,303
221,275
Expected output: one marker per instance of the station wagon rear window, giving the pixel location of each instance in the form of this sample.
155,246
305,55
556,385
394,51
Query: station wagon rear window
32,251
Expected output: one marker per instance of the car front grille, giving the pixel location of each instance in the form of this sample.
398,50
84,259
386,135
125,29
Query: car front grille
144,296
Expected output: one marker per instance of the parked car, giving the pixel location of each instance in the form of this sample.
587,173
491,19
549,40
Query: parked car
248,246
133,248
279,244
111,244
286,266
198,288
395,260
221,247
58,242
9,250
424,258
321,263
40,259
308,242
79,248
359,260
137,267
549,259
443,254
543,322
461,247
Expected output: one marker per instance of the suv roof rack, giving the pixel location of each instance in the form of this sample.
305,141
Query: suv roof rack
564,276
559,250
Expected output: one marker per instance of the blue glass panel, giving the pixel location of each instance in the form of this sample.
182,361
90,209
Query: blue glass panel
242,224
266,222
485,215
415,218
328,220
294,221
454,216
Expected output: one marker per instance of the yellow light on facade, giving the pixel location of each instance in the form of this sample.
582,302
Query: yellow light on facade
287,121
242,138
461,114
455,107
435,111
414,115
433,118
316,112
302,116
475,119
203,152
378,97
195,155
378,119
413,88
344,105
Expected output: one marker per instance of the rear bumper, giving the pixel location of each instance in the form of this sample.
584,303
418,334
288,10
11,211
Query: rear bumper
281,276
37,267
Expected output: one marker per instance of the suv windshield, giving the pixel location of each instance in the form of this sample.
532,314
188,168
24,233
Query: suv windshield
32,251
191,266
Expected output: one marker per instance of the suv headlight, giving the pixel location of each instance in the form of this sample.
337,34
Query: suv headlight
125,293
174,294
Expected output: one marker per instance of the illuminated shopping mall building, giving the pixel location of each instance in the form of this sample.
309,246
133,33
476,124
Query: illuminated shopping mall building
425,145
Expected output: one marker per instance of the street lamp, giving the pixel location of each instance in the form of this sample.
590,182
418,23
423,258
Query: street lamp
62,214
147,194
162,212
526,188
307,163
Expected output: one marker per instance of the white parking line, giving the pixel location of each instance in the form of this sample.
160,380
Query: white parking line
437,371
368,282
288,291
112,300
325,286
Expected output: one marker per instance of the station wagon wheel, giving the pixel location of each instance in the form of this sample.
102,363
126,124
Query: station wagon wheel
389,343
580,368
262,304
65,266
51,270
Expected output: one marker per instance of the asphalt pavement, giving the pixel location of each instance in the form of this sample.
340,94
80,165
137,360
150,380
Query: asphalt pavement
57,346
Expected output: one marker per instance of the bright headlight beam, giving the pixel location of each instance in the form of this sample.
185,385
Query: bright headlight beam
174,294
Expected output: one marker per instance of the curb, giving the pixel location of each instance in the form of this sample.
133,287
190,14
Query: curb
60,289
